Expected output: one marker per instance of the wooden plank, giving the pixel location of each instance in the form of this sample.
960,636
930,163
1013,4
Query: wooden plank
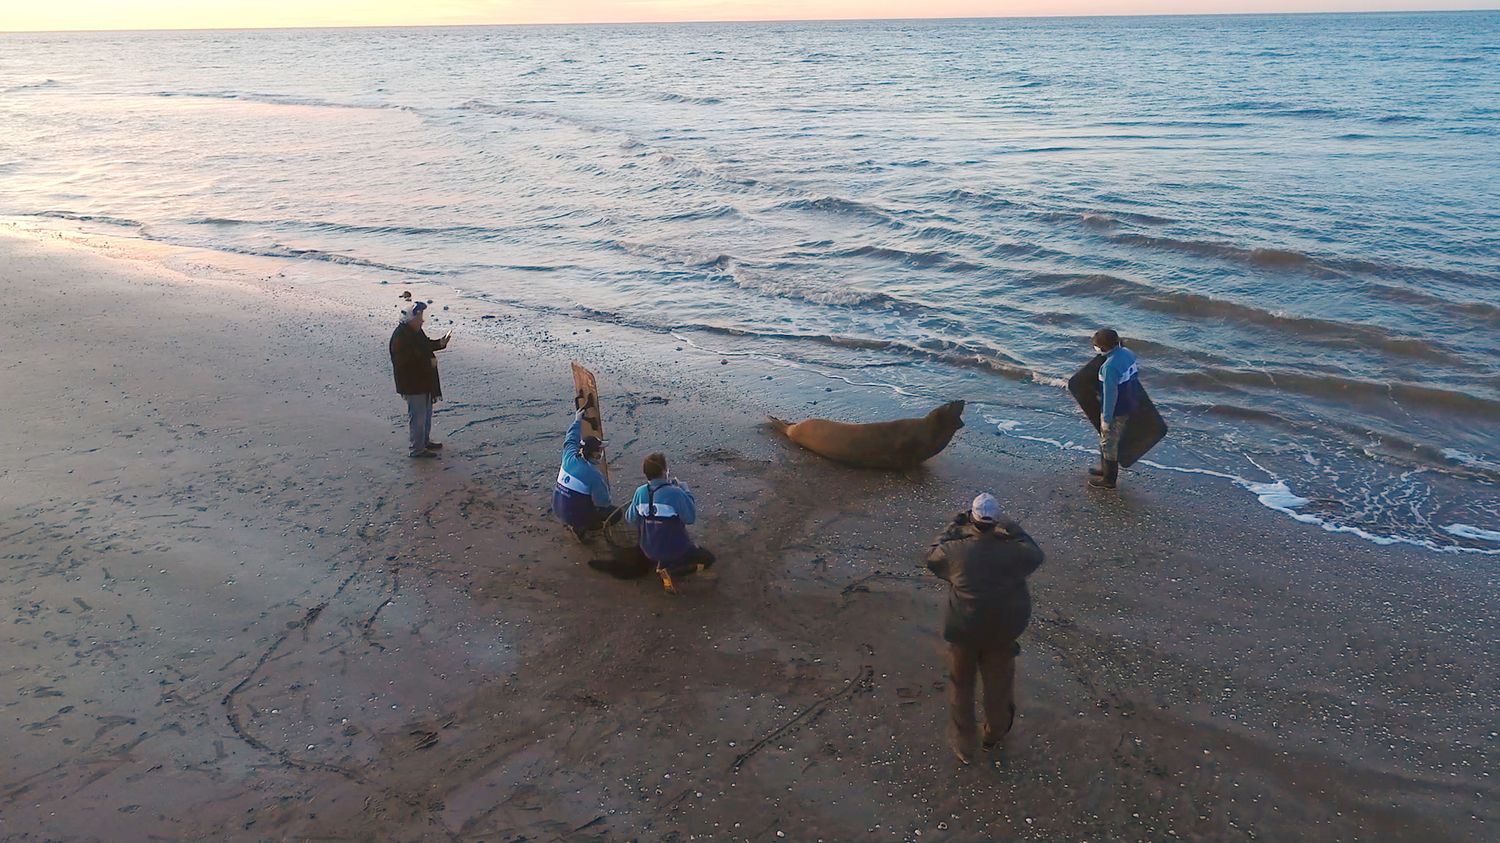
586,395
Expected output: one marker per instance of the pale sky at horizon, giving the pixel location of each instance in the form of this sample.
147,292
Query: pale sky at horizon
225,14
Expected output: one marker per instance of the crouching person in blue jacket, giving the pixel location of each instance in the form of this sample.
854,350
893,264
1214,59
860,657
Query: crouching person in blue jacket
581,499
662,510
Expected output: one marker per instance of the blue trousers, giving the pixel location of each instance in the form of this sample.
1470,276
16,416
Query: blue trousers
419,417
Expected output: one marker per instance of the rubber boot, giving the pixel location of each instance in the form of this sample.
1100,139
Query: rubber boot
991,738
1110,478
666,581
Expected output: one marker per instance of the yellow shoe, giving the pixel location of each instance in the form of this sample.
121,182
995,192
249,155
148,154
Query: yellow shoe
666,581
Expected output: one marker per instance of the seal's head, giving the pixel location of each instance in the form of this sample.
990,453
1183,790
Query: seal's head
950,415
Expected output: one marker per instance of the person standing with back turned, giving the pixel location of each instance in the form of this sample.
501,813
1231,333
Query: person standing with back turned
1120,390
414,360
986,559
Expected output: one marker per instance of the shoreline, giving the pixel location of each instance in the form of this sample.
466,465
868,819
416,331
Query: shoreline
690,352
349,644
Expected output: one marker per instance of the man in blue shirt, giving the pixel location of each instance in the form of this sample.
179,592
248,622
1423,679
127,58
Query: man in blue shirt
581,499
1120,391
662,509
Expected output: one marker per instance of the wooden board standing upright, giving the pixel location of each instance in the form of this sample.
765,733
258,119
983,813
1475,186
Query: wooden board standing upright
1145,428
586,395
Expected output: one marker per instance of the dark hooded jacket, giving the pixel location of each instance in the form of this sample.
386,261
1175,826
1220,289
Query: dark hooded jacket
986,570
413,356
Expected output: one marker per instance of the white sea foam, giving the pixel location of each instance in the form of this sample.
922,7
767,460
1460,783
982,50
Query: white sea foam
1469,531
1471,460
1275,494
1049,380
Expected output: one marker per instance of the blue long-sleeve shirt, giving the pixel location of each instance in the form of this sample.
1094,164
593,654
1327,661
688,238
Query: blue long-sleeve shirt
578,475
663,510
1120,379
671,500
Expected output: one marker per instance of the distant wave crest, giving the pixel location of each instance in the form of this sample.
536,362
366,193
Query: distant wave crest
30,86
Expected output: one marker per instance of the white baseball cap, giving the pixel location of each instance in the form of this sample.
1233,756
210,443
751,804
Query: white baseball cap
985,508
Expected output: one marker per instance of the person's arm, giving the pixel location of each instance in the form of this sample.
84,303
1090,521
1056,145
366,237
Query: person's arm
1111,391
599,489
401,349
688,511
632,512
956,529
1029,556
574,438
937,559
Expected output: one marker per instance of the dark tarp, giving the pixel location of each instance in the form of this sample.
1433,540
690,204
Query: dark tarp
1142,432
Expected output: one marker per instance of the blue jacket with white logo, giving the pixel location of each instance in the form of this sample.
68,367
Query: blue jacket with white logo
1121,384
663,510
581,488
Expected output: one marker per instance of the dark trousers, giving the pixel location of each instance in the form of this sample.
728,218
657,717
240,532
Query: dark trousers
602,517
996,668
689,564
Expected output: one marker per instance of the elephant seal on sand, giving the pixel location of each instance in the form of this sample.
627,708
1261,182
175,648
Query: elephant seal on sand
894,444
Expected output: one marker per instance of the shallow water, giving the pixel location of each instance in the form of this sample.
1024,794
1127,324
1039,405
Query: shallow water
1292,218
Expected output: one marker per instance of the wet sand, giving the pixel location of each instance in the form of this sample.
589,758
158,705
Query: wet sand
235,610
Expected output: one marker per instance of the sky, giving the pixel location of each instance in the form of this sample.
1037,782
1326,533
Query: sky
28,15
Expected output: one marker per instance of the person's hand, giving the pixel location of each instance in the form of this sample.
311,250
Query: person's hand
578,414
1104,426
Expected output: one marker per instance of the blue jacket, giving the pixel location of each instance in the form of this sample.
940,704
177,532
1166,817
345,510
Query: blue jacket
663,510
581,488
1121,384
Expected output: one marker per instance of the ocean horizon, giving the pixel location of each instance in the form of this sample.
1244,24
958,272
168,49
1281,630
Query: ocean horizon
776,21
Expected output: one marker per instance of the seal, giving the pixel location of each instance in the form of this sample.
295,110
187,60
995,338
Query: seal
905,443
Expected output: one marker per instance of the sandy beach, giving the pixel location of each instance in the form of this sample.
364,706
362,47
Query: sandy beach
236,611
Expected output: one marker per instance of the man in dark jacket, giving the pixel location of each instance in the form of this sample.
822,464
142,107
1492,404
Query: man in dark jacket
415,364
986,559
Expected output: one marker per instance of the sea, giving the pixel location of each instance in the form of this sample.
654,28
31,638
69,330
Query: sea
1294,220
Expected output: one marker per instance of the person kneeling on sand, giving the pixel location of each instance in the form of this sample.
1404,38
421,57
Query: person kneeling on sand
413,358
986,559
662,509
581,499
